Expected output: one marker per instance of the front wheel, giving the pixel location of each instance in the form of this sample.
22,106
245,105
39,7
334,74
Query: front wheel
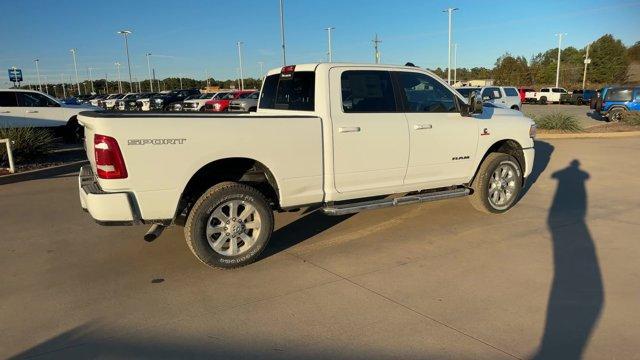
497,185
229,225
543,100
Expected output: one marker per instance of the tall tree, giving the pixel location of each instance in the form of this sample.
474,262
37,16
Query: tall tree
609,61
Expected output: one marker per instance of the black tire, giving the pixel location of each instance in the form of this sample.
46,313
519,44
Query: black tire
73,132
202,109
479,199
515,107
616,114
213,199
580,101
543,100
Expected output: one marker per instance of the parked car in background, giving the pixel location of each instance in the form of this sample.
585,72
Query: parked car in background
28,108
121,104
110,101
547,95
577,97
163,101
341,137
179,105
197,103
619,101
246,102
596,101
527,95
94,101
143,102
222,104
506,97
467,90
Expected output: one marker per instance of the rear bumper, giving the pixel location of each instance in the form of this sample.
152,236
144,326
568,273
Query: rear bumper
105,208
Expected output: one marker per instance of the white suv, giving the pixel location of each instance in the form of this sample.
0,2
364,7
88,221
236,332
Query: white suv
28,108
502,96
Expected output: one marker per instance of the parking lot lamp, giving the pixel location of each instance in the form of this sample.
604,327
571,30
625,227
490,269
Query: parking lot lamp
261,71
560,35
586,62
125,34
239,43
106,84
449,11
329,52
455,63
75,67
119,79
376,42
284,55
38,72
91,80
149,68
64,91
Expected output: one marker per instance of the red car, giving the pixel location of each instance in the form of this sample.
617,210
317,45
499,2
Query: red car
222,104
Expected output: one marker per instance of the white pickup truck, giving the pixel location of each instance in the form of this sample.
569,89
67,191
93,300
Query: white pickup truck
545,95
338,136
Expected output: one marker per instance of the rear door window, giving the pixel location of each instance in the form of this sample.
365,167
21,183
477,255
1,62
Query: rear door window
295,92
511,91
34,100
8,99
367,91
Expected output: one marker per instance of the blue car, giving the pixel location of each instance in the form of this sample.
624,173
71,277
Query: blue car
619,101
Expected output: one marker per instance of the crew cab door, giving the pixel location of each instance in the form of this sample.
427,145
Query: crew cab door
9,110
443,142
370,135
38,110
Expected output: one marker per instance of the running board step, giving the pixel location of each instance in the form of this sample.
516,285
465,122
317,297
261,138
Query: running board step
351,208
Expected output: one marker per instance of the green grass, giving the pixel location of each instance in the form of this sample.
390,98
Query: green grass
632,118
558,121
26,143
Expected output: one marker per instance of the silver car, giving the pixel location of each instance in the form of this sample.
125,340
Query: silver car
246,102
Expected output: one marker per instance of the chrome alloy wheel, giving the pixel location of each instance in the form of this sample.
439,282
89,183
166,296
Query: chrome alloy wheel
502,185
233,227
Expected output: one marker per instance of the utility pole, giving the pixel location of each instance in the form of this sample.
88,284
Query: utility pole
46,85
284,56
376,53
329,51
38,72
149,68
449,11
560,35
64,91
119,79
586,62
239,43
261,73
75,66
106,84
180,76
91,80
455,63
125,34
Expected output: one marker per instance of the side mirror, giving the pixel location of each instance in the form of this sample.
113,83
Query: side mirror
475,103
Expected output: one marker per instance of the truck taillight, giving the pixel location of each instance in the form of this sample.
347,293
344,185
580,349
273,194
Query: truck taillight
109,161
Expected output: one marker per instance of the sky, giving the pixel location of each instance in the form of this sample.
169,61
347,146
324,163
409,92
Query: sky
190,38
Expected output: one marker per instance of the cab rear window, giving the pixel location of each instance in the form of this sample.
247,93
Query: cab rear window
294,92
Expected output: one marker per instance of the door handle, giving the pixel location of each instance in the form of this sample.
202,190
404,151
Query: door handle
349,129
31,111
422,127
5,112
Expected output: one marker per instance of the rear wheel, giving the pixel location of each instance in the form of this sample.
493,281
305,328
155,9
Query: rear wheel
617,114
580,101
229,225
543,100
497,185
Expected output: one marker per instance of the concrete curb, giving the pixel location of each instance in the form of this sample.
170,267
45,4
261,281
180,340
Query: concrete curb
42,173
606,135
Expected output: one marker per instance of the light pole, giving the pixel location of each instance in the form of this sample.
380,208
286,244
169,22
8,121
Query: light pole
376,53
46,85
106,84
560,35
261,71
119,79
449,11
329,51
586,62
38,72
64,91
75,66
126,34
455,63
239,43
149,68
91,80
180,76
206,74
284,56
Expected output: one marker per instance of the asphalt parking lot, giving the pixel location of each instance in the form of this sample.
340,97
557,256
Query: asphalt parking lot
556,277
583,113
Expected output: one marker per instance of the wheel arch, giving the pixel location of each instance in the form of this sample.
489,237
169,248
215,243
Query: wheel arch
505,146
238,169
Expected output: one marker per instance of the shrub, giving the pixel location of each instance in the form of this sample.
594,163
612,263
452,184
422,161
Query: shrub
26,143
632,118
558,121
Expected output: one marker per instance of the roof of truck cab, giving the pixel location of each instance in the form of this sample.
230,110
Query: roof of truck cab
315,66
